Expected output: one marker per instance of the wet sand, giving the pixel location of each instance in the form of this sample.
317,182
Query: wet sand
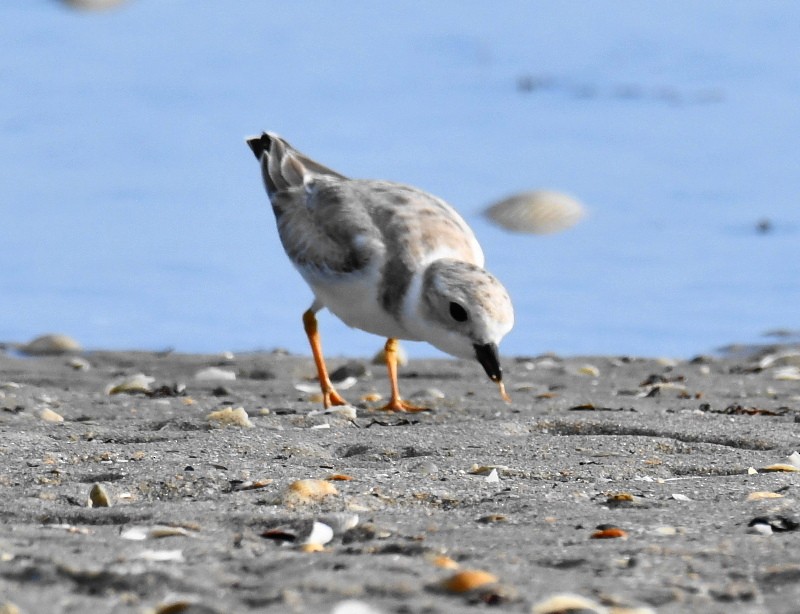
656,453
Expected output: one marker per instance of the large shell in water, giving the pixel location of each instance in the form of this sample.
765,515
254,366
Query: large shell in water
538,212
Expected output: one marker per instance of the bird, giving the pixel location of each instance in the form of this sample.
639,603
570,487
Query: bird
386,258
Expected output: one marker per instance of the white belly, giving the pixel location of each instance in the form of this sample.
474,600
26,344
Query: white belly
354,300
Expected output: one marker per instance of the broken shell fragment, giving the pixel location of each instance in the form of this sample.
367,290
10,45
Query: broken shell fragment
49,345
537,212
230,417
468,580
308,491
761,495
215,374
48,415
609,532
568,604
780,467
98,497
319,535
445,562
131,384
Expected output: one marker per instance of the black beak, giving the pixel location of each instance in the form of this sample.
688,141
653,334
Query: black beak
487,356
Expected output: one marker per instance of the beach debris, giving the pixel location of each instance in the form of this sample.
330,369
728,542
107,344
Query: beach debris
788,373
492,478
9,608
402,356
161,556
536,212
680,497
50,345
609,531
209,374
760,495
345,412
493,519
98,496
567,603
229,416
487,469
177,605
48,415
140,533
340,522
353,606
79,364
794,459
339,477
589,370
444,562
237,486
780,467
468,580
760,528
371,397
752,471
789,357
131,384
301,492
778,523
432,394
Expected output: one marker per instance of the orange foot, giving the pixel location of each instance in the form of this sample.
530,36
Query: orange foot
331,397
401,405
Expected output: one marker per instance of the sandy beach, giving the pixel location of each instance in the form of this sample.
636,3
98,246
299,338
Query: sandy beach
632,483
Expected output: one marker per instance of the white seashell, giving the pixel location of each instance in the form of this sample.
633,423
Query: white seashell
161,556
215,373
794,459
353,606
48,415
320,534
790,373
50,344
680,497
538,212
135,383
493,477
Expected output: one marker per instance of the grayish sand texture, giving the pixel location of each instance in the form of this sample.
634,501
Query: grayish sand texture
659,449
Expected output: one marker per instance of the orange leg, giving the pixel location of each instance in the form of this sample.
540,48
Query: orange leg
396,403
329,395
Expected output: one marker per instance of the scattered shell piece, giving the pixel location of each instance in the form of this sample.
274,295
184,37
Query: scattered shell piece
340,522
752,471
486,469
789,373
339,477
319,535
161,556
760,495
345,412
760,528
444,561
492,478
50,345
131,384
230,417
794,459
308,491
537,212
609,533
174,606
79,364
139,533
98,497
568,604
665,531
402,356
780,467
468,580
352,606
48,415
252,484
371,397
680,497
590,370
215,373
311,548
9,608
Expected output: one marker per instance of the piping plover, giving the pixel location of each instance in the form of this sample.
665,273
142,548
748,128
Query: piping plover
384,257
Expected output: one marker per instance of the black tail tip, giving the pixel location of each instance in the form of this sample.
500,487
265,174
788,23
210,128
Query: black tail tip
259,144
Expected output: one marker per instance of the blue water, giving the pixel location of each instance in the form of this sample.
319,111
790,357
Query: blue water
134,215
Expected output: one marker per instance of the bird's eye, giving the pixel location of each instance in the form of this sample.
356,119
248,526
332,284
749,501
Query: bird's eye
458,313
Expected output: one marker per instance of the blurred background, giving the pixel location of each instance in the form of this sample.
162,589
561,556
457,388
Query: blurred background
134,217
